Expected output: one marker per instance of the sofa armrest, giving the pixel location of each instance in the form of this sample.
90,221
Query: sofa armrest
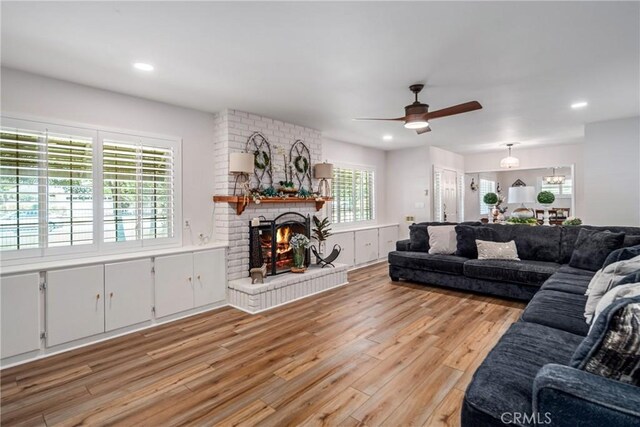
403,245
566,396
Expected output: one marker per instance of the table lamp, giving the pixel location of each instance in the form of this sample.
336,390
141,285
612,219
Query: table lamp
323,172
522,195
241,165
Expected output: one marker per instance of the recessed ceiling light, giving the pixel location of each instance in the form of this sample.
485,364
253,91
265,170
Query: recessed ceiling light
387,137
143,66
580,104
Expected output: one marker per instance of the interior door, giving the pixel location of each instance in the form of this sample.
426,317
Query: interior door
449,195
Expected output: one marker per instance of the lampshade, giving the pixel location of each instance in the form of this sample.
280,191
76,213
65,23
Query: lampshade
522,194
323,170
241,162
510,161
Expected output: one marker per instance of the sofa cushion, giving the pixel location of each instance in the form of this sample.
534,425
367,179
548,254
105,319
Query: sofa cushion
504,381
622,254
631,240
593,247
466,237
419,236
612,348
559,310
451,264
533,243
576,271
570,235
565,282
525,272
403,245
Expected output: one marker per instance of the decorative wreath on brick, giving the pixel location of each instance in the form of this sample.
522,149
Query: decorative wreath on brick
261,160
301,164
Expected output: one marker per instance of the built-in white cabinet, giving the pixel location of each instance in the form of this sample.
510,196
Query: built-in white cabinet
128,293
363,246
347,243
189,280
74,304
209,272
366,246
174,284
387,238
20,317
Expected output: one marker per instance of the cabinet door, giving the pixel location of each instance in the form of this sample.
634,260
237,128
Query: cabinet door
366,246
74,304
20,327
127,289
346,242
210,278
387,238
173,284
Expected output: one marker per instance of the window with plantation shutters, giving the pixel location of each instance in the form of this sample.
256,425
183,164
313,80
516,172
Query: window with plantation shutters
353,195
486,186
46,184
138,191
79,190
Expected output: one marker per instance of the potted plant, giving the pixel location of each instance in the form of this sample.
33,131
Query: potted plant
546,198
526,221
491,199
572,221
299,243
321,232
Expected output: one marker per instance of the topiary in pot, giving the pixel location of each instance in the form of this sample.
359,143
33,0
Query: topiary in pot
490,198
546,197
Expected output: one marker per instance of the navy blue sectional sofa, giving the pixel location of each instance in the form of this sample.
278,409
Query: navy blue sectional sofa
526,379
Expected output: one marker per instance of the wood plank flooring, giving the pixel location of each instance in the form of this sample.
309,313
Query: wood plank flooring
371,353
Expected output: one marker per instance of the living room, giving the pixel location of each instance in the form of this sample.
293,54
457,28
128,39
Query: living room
343,213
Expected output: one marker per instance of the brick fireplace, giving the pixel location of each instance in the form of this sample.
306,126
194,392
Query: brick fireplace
233,129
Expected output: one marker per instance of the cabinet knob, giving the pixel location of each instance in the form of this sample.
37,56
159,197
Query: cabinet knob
198,277
98,296
111,295
189,278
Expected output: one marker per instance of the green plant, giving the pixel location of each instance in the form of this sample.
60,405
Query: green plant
304,193
572,221
490,198
269,192
529,221
546,197
287,184
321,231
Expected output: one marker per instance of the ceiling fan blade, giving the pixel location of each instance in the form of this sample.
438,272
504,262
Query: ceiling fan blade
423,130
398,119
456,109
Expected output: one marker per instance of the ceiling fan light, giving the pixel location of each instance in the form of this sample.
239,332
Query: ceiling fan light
417,124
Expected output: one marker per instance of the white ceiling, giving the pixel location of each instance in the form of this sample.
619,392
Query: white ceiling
321,64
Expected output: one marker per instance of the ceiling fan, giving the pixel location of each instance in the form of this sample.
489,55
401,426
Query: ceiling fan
417,115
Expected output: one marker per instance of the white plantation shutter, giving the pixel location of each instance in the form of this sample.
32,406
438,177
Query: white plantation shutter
138,190
486,186
46,184
353,195
564,190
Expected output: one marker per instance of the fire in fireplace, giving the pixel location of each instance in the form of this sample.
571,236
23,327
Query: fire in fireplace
269,242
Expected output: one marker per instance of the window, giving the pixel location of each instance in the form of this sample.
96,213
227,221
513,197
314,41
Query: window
138,191
486,186
352,191
561,191
65,189
47,189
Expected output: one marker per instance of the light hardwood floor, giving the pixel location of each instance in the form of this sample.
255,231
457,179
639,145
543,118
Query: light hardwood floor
370,353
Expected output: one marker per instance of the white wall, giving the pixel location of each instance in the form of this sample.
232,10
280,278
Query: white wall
26,94
536,158
612,178
350,154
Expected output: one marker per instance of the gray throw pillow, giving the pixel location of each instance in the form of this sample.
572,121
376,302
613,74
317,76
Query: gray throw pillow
622,254
612,348
593,247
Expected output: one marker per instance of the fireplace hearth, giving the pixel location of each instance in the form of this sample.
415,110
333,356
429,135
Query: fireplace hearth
269,242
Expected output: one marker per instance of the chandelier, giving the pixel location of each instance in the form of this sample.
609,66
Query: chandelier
553,178
509,161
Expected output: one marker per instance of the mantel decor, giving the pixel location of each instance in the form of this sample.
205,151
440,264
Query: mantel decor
300,158
263,168
242,202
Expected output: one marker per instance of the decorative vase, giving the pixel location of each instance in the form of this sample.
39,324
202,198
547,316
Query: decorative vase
495,212
546,214
322,245
298,259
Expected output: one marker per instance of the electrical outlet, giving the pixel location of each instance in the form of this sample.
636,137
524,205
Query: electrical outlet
409,218
187,223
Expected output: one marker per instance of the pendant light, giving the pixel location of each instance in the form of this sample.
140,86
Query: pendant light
509,161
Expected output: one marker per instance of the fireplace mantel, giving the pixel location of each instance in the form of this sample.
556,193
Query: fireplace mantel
242,202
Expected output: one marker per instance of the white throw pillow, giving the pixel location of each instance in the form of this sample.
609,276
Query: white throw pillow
442,239
624,291
604,279
497,250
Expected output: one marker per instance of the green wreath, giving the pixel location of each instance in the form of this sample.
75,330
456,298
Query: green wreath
261,160
301,164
